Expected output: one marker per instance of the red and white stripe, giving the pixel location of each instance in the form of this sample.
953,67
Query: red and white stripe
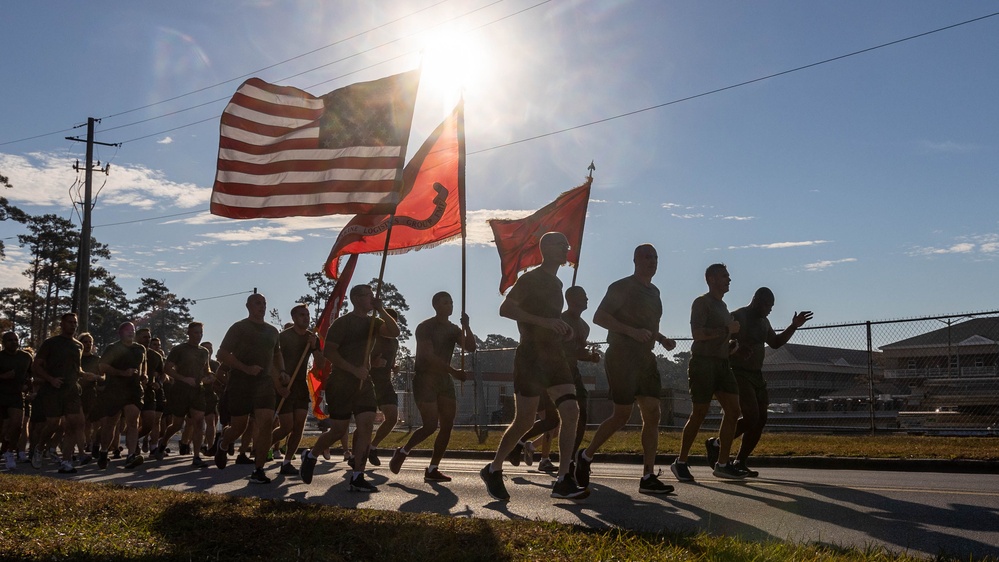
270,164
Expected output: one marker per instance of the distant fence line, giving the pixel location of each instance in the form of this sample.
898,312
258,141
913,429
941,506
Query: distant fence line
928,375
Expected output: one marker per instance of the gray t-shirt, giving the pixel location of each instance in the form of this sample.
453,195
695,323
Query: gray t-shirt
710,313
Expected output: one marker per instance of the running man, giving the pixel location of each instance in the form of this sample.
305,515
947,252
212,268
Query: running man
349,390
57,364
630,311
15,371
251,349
294,399
123,364
187,366
709,374
433,389
535,303
382,367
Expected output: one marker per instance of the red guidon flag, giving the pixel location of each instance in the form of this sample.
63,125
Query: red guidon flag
428,214
321,370
517,240
284,152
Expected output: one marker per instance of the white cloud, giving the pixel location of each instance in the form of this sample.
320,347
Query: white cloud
51,175
671,206
733,218
981,244
780,245
254,234
165,140
825,264
688,216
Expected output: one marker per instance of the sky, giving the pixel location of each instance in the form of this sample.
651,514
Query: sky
864,188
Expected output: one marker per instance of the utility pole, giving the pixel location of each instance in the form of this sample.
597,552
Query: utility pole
83,259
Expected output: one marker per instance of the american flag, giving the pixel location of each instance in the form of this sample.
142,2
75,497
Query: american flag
284,152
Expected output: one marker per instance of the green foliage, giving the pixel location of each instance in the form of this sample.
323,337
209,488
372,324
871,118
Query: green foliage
163,312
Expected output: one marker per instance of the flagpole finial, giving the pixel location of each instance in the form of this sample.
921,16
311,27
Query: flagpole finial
591,168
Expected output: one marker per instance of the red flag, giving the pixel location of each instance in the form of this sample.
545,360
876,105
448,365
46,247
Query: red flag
284,152
428,213
318,373
517,240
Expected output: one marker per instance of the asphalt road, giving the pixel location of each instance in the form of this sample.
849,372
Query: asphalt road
923,513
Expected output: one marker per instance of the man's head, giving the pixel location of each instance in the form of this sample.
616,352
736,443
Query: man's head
576,299
143,336
256,307
763,301
300,316
126,333
209,346
554,247
195,331
442,303
68,324
646,260
155,344
11,341
717,278
363,298
87,339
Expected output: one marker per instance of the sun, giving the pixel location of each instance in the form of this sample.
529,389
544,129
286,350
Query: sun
453,62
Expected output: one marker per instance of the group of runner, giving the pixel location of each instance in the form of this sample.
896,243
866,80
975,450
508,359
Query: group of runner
257,388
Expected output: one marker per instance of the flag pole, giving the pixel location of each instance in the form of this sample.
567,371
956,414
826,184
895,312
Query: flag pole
582,226
461,209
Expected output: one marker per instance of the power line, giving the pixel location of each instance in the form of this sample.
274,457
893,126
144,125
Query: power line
151,218
268,67
733,86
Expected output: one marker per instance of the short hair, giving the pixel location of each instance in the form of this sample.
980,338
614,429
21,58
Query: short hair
193,325
641,247
298,306
764,293
438,296
714,269
11,335
575,290
143,331
356,291
123,325
67,315
208,345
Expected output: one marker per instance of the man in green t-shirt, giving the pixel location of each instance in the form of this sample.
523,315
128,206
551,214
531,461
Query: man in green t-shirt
57,366
630,311
123,364
15,370
297,344
187,366
349,389
755,332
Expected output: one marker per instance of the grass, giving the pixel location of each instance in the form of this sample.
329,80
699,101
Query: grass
772,444
48,519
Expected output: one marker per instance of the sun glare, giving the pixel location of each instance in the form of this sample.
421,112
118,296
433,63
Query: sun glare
453,62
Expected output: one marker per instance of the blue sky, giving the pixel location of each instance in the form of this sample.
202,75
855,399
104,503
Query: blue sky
865,188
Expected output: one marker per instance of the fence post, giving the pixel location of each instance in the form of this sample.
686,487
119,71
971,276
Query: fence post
870,376
481,424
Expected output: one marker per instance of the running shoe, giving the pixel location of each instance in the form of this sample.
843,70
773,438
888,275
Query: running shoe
359,484
494,483
67,467
728,472
133,460
567,489
36,459
529,453
651,485
741,467
435,475
276,454
713,446
10,460
102,460
288,470
373,457
185,449
582,472
516,455
258,477
395,465
681,471
308,466
198,462
221,458
243,459
86,459
546,466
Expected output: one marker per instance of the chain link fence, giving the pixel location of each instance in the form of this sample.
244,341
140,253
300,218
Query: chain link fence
930,375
